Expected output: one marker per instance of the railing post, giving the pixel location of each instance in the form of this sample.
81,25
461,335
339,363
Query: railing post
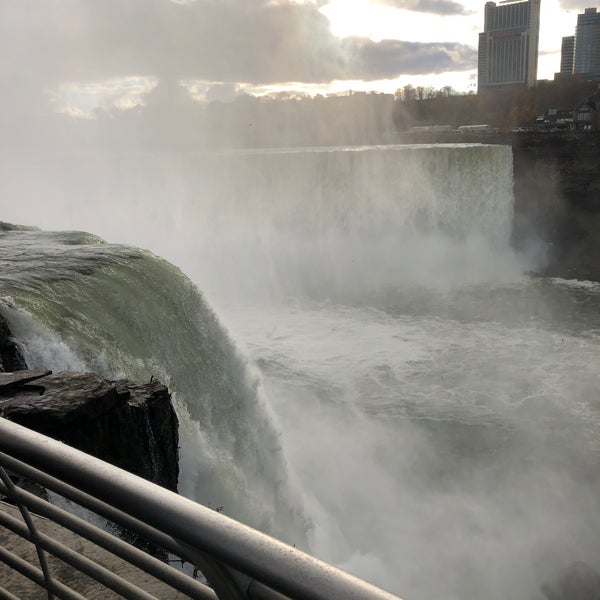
35,538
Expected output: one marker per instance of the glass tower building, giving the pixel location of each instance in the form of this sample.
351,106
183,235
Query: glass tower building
567,56
508,46
587,44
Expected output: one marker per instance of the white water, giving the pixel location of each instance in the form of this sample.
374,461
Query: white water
435,406
447,459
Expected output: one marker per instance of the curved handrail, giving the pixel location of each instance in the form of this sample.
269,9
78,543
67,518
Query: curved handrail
218,543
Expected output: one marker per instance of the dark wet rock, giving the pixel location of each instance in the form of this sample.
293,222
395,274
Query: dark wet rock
557,201
11,358
132,426
12,381
577,582
150,405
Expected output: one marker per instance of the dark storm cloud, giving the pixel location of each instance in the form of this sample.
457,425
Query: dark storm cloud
438,7
224,40
254,41
390,57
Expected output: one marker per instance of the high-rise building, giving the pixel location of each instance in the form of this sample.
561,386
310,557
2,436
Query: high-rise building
567,56
587,44
508,46
580,54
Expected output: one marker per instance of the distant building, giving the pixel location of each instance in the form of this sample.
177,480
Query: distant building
508,46
554,120
587,44
478,129
567,56
431,129
580,54
586,116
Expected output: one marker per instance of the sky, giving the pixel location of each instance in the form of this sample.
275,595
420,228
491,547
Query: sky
80,56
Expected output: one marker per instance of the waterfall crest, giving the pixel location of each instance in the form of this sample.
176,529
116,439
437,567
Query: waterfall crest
77,303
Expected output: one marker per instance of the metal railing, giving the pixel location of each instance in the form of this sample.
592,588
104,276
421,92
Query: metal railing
238,562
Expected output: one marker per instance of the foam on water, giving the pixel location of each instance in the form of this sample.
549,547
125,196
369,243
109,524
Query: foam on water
448,458
577,283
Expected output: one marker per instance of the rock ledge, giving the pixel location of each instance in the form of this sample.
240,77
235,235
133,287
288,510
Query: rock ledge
132,426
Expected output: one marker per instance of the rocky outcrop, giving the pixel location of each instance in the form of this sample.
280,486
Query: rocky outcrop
557,200
132,426
11,358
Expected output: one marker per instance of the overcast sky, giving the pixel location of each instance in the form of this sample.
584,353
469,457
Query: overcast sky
73,55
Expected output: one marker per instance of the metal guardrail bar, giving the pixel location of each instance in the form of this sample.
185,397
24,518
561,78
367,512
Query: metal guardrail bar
78,561
135,526
200,530
93,504
6,595
36,575
258,591
178,580
11,493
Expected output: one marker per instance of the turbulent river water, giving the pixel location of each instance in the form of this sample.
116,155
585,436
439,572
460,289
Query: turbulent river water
371,373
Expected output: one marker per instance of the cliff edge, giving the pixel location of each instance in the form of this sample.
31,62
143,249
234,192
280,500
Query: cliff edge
557,201
130,425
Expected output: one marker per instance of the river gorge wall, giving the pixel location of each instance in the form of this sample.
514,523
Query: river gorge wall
557,196
557,201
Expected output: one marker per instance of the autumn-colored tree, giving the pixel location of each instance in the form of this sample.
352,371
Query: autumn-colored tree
504,108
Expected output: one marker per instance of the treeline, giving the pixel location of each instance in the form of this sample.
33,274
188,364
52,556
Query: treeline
183,124
505,109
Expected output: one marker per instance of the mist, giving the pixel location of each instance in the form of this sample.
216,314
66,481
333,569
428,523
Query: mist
434,402
327,223
447,397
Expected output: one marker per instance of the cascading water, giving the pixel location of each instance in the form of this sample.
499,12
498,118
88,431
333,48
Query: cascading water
269,223
75,302
435,405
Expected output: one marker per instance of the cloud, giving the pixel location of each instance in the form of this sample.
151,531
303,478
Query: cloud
85,100
577,5
438,7
221,40
391,57
59,42
212,91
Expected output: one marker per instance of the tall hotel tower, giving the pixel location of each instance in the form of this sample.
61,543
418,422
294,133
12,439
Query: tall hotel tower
580,54
508,46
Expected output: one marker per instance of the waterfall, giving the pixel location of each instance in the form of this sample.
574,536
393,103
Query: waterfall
278,222
320,220
77,303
